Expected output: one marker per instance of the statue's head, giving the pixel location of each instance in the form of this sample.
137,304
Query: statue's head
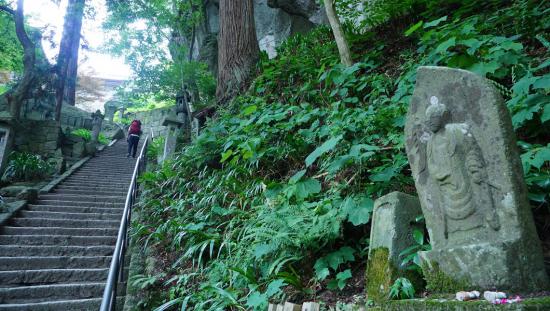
437,115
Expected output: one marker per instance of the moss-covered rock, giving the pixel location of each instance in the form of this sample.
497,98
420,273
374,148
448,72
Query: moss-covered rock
439,282
380,275
533,304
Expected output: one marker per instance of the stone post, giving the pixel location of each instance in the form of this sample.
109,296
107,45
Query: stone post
121,112
97,120
393,223
6,141
171,137
110,109
466,167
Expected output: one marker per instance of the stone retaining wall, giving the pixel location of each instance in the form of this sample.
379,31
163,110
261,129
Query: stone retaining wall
152,119
39,137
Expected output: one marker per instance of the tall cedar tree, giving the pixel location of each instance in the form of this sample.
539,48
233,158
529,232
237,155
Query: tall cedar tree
71,33
15,96
238,50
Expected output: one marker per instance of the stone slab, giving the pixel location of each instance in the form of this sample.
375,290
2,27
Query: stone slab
463,155
393,223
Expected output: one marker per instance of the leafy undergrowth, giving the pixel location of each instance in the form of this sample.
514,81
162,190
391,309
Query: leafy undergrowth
273,200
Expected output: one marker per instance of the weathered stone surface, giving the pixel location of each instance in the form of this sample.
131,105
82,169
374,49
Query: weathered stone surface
97,119
291,307
393,222
311,306
463,155
309,9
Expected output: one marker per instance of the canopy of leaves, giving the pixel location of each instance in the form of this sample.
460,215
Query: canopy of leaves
11,52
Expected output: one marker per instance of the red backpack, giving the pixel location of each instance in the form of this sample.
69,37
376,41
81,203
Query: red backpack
135,127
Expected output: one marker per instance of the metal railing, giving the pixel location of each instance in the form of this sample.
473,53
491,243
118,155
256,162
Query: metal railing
116,270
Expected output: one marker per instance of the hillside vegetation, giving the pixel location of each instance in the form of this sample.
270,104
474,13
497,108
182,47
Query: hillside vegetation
274,198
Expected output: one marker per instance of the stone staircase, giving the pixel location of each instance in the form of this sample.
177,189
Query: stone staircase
55,254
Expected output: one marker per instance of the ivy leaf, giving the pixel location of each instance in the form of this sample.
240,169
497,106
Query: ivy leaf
325,147
226,155
540,157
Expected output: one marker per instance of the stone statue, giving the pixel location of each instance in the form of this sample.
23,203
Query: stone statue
468,175
97,120
458,171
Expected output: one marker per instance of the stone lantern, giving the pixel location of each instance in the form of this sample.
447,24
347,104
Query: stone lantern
110,109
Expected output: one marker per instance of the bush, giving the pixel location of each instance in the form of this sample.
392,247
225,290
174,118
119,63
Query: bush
24,166
87,136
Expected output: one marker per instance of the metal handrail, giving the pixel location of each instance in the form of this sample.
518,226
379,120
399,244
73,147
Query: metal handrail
116,269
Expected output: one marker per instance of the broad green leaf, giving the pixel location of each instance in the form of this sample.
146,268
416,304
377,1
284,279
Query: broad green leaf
541,156
546,113
296,177
307,187
325,147
443,47
274,287
385,175
413,28
358,214
542,82
226,155
435,22
418,236
262,249
250,110
342,277
257,300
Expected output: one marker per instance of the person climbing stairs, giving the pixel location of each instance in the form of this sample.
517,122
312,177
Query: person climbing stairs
55,253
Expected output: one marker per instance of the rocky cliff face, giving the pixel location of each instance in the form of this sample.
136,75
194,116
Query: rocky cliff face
276,20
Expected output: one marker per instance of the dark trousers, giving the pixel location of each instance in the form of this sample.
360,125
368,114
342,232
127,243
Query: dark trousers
132,145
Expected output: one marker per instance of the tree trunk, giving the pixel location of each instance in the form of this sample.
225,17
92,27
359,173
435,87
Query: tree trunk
73,21
343,48
19,93
72,70
238,49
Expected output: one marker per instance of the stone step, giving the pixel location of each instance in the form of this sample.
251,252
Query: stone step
66,186
49,276
92,185
59,231
52,292
58,262
111,192
77,203
81,198
64,223
103,170
102,174
61,305
51,250
71,216
61,240
75,209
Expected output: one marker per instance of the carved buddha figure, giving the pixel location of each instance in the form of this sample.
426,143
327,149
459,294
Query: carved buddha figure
457,169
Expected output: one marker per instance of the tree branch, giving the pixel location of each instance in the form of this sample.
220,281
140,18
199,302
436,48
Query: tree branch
5,8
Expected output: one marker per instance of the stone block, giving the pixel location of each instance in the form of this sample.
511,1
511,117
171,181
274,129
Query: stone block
464,159
311,306
79,149
393,223
29,194
291,307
